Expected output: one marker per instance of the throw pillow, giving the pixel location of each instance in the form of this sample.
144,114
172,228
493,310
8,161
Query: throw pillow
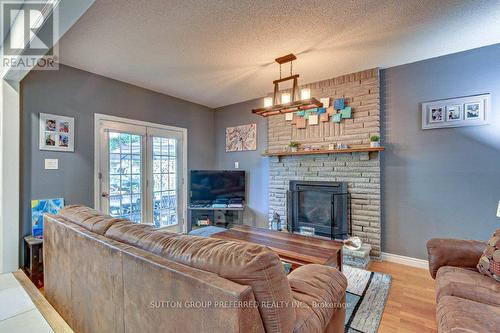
489,263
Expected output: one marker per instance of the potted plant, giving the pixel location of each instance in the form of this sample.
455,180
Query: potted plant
375,141
294,146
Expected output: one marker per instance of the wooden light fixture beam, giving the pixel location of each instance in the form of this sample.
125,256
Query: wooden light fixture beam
294,105
286,58
305,104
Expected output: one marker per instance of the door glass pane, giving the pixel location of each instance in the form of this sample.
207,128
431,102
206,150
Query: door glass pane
164,181
125,176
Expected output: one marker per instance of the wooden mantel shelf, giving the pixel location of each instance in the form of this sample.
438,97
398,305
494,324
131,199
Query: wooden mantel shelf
325,151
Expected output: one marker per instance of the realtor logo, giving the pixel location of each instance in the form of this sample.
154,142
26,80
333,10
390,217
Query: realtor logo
29,29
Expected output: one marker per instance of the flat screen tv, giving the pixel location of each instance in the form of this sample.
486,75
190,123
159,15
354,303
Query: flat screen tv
210,185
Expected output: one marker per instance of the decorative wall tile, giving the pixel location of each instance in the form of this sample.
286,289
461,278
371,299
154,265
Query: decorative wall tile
313,119
346,112
301,123
339,104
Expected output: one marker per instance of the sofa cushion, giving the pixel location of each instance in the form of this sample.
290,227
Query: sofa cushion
453,252
88,218
129,232
246,264
467,283
461,315
317,291
489,263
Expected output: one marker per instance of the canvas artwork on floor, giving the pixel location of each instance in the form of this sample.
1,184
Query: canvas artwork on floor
241,138
40,207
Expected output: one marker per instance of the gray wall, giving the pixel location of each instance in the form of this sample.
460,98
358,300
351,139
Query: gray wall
80,94
442,182
436,183
255,165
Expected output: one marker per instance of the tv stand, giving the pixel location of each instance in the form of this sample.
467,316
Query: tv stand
206,216
216,208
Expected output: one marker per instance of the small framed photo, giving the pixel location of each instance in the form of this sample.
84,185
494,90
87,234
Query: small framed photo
457,112
436,114
50,125
454,113
56,133
473,111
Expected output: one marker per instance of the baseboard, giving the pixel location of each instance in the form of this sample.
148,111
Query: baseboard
408,261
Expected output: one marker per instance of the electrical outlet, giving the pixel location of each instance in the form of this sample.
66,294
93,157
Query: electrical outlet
498,209
51,164
236,165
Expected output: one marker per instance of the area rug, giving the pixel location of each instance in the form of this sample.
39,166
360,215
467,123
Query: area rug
366,296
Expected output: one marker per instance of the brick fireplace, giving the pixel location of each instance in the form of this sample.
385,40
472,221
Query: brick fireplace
360,171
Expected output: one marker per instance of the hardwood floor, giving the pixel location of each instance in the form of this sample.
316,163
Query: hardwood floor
411,306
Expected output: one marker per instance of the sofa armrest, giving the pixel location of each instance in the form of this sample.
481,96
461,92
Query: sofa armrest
319,292
453,252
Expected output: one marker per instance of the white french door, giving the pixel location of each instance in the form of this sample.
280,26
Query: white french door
140,171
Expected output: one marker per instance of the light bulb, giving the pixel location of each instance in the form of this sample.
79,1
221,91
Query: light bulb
305,93
285,98
268,101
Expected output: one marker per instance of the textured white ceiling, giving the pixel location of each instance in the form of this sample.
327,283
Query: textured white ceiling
221,52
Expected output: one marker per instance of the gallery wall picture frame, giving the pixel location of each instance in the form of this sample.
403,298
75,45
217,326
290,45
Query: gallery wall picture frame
56,133
457,112
454,113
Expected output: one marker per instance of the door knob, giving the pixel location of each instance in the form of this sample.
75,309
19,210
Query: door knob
105,194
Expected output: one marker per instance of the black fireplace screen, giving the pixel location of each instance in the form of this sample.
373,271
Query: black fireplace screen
319,209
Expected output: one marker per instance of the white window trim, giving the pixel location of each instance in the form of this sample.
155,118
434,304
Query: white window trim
98,117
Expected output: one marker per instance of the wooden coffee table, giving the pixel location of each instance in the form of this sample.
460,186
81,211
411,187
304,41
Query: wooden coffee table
296,249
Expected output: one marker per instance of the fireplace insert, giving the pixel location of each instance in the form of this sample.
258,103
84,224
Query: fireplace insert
319,208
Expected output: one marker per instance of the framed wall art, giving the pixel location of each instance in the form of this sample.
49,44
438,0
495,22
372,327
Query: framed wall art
56,133
241,138
457,112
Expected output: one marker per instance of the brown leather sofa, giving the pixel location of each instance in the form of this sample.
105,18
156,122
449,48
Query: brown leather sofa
467,301
104,274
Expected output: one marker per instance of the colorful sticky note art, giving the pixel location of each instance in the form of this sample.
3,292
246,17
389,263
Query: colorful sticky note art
338,104
40,207
336,118
313,119
333,112
301,123
346,112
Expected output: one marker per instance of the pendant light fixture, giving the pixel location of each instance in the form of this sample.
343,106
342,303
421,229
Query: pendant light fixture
287,102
